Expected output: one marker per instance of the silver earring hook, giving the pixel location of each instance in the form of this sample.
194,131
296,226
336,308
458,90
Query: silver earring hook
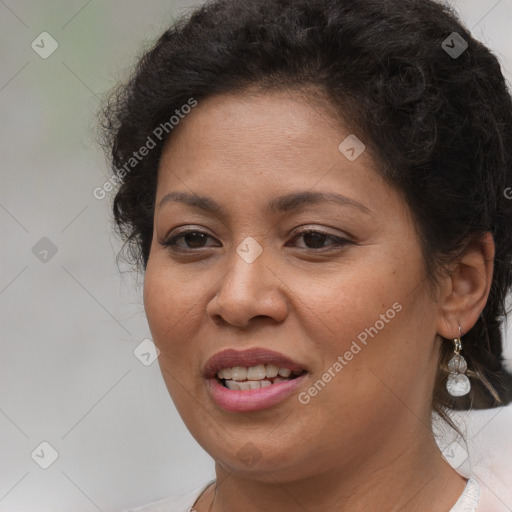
458,343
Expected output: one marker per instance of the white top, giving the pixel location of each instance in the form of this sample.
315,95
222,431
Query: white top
183,502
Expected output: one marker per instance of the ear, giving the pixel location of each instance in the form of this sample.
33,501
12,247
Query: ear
465,288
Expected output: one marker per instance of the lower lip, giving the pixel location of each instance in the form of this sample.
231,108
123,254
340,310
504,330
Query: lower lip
253,399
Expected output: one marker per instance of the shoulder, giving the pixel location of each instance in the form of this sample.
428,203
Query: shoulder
179,503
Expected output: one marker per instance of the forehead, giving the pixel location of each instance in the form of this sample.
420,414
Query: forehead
283,136
237,156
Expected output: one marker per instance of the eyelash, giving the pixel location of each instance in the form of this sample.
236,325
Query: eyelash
338,242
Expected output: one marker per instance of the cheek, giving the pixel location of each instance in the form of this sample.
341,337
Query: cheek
349,300
387,364
172,313
169,306
377,319
169,296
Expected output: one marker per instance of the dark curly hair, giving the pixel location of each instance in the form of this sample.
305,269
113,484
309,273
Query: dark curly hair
438,123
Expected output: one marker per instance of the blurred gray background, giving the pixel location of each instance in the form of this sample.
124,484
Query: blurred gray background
70,320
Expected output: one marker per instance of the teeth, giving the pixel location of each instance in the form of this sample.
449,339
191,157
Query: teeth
255,373
239,373
225,373
248,384
231,384
257,376
272,370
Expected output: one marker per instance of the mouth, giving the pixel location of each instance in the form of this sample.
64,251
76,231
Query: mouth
243,378
253,379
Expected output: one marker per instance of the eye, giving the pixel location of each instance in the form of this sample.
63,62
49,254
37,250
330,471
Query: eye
189,240
315,239
194,239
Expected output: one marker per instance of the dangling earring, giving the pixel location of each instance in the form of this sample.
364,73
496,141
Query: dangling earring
458,383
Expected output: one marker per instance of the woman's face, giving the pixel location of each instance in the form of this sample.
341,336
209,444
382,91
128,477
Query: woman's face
296,248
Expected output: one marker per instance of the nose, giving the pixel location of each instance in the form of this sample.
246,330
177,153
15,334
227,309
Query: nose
248,293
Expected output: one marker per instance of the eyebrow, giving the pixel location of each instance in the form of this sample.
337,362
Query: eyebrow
297,200
286,203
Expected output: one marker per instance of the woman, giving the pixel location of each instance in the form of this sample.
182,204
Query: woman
316,192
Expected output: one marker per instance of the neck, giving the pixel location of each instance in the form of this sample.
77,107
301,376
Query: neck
403,476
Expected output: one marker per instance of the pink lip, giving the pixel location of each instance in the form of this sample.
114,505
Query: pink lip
250,357
252,399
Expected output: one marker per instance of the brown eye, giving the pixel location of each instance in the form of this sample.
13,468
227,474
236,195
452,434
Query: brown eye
314,240
195,239
190,240
319,240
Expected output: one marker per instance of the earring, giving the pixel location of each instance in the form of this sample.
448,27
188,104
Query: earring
458,383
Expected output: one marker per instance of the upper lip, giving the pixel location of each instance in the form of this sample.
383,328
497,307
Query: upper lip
251,357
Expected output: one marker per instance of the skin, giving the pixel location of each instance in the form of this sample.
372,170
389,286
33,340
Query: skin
364,442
